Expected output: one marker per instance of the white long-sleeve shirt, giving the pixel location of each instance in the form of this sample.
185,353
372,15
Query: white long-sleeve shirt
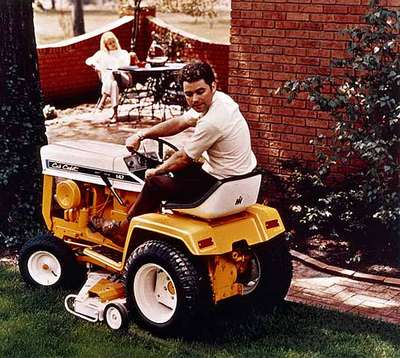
103,60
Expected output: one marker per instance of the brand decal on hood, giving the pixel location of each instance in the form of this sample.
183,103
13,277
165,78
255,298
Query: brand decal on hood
52,164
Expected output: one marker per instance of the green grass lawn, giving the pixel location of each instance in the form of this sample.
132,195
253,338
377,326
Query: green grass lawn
34,323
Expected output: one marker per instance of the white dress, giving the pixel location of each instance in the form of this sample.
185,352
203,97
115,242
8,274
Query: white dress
106,62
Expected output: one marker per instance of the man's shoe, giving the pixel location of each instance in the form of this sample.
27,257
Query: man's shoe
108,228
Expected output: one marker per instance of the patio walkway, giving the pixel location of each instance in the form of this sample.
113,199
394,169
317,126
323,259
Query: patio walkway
316,288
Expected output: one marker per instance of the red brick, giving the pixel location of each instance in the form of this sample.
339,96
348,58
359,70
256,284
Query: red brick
274,15
251,14
284,59
262,6
303,147
264,24
283,111
273,33
308,43
250,32
271,135
311,26
287,25
295,51
316,123
281,128
311,8
261,40
349,19
268,151
335,9
294,122
271,101
294,69
279,145
270,118
287,7
297,16
240,5
300,34
308,61
292,138
290,154
258,125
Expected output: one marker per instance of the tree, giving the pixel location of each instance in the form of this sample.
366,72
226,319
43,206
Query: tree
78,23
364,104
22,130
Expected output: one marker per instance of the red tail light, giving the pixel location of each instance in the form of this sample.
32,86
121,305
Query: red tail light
271,224
206,243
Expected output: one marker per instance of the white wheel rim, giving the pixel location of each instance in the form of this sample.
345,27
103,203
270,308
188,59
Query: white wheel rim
44,268
251,285
114,318
155,293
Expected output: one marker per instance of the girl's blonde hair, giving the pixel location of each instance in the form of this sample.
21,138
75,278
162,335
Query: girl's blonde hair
106,36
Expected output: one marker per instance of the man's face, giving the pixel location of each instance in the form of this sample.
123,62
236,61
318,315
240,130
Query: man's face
199,94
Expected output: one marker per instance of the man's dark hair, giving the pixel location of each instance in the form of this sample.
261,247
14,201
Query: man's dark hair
197,71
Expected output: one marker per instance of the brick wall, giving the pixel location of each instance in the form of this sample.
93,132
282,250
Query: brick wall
217,54
276,40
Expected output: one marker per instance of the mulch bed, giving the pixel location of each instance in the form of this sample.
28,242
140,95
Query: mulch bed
379,261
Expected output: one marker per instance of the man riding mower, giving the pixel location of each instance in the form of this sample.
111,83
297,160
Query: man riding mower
185,237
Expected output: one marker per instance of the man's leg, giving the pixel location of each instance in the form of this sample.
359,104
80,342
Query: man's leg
155,190
189,185
186,186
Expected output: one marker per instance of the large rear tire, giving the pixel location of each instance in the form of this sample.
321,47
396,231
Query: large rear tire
275,267
163,287
46,261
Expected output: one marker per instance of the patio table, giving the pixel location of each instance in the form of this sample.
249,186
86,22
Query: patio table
161,85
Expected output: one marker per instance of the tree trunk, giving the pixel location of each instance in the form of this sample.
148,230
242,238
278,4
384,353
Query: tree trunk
78,23
53,4
22,130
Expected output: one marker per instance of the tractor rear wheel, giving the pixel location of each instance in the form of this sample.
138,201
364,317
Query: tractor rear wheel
46,261
273,266
163,287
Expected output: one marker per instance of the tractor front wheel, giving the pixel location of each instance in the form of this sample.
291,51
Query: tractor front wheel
163,287
46,261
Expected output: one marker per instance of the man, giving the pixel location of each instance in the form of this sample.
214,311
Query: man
221,134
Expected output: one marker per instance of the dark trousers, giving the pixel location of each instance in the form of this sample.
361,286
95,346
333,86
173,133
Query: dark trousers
185,187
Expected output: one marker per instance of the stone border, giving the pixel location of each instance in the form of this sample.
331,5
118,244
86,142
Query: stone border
359,276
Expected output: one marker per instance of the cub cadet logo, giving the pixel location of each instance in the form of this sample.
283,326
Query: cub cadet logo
239,200
62,166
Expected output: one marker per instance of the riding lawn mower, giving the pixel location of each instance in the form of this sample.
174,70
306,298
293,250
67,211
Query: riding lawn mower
172,265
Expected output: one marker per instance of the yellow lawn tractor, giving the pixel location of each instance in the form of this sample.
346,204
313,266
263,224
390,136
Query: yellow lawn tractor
171,265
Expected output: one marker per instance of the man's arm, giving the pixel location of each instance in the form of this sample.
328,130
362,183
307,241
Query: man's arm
164,129
178,161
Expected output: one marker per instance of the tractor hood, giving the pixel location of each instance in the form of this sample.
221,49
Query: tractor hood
90,161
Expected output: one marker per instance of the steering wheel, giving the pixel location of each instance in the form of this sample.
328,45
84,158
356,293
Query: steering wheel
153,162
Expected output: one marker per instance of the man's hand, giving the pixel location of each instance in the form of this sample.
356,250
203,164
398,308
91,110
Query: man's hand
150,173
132,143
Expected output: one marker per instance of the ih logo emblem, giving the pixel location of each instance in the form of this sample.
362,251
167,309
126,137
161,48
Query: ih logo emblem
239,200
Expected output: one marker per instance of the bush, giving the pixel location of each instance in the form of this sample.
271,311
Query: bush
364,104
